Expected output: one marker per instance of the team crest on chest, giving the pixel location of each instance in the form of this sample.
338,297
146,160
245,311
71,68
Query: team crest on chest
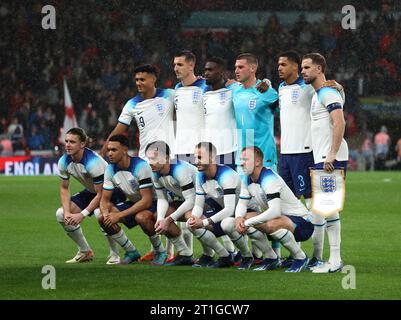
196,96
160,109
252,104
328,184
223,97
295,95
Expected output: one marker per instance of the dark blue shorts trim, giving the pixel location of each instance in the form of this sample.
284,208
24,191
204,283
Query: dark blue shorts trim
129,221
294,169
216,227
214,207
303,228
83,198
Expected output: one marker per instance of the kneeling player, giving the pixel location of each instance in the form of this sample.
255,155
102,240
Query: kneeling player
133,176
88,168
283,216
178,179
217,187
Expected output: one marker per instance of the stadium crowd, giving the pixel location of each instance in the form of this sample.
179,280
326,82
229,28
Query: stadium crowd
97,46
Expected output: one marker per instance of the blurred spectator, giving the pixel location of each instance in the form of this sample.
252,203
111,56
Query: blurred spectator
367,152
6,146
382,144
36,141
16,134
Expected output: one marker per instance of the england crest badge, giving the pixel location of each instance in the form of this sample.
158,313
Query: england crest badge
328,192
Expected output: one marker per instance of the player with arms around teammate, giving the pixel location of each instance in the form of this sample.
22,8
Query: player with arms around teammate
330,150
188,103
254,111
296,157
88,168
282,216
220,125
177,179
152,109
133,176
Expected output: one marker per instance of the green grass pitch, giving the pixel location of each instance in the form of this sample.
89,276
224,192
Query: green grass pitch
31,238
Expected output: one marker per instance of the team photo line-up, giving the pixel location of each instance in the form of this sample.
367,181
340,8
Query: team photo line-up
207,167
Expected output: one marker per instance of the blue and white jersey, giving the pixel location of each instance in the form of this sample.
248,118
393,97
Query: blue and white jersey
271,186
226,181
188,102
254,113
89,171
154,118
182,176
324,101
130,181
295,121
220,126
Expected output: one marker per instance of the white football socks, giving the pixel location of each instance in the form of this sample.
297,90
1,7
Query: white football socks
287,239
121,238
334,236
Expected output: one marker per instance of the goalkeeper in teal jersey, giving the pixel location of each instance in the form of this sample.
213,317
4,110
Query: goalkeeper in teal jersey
254,111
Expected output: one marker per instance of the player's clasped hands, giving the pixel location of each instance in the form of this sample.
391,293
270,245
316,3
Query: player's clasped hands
110,219
161,226
240,225
76,219
194,223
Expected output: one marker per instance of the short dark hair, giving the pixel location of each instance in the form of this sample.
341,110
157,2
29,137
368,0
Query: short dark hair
208,146
120,138
78,132
219,61
256,151
249,57
159,146
291,55
189,56
148,68
316,58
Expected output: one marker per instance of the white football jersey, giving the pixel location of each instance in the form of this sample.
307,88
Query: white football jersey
226,181
89,171
270,186
295,122
137,176
182,176
220,125
188,104
324,101
154,118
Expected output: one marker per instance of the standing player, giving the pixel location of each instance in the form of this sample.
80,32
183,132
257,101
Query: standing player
179,179
296,156
254,111
188,104
220,126
88,168
283,216
133,176
330,151
152,109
